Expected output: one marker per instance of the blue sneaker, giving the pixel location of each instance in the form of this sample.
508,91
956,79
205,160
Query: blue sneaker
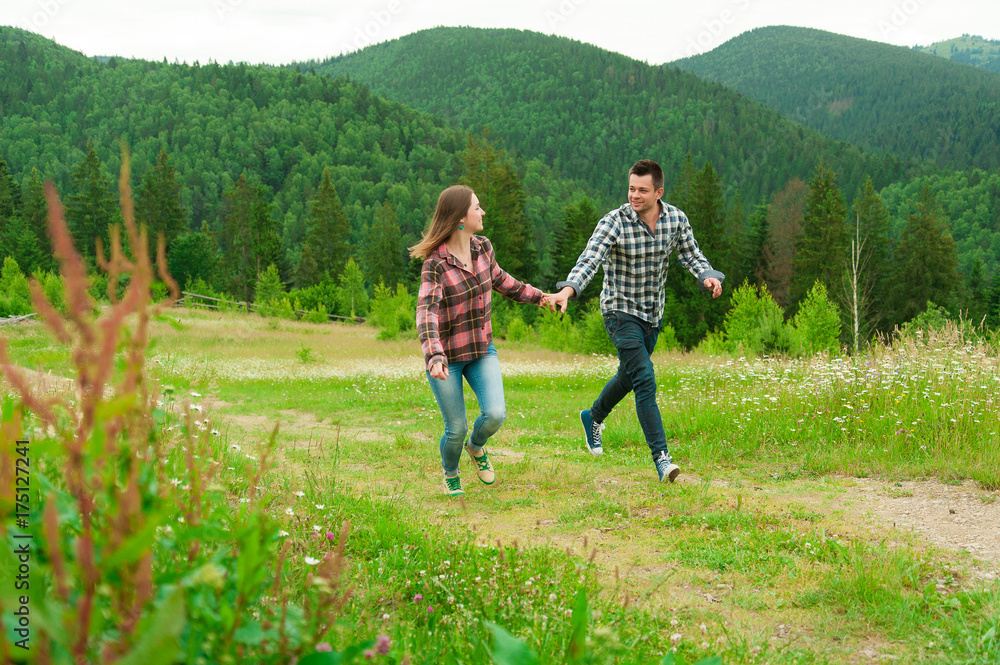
665,467
592,433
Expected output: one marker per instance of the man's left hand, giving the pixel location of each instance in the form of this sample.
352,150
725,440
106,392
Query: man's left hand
714,285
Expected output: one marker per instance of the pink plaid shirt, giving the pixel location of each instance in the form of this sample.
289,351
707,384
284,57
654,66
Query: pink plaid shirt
453,306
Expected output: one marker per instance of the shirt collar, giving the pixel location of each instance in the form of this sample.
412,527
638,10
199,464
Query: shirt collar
634,216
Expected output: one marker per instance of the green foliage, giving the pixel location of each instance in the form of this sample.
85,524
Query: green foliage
269,287
327,242
250,236
864,92
192,257
594,336
698,192
556,331
158,204
352,296
518,330
52,287
925,261
539,106
15,296
933,319
384,251
755,324
393,312
821,249
488,171
317,315
816,326
91,209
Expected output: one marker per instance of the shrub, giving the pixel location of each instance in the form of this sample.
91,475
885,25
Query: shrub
594,336
269,288
392,312
15,295
317,315
519,331
557,332
755,323
816,326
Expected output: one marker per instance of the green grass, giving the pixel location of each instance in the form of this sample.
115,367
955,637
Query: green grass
752,556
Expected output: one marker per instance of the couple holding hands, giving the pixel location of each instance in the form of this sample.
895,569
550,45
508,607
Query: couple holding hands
633,243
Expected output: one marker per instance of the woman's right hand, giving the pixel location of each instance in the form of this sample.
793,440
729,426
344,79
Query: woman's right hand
439,371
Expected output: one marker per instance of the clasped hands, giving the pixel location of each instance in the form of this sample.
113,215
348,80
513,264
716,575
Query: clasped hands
557,301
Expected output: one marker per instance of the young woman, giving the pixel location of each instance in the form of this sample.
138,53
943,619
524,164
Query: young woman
453,321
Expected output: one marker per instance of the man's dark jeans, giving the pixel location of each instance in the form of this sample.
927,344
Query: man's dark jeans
635,340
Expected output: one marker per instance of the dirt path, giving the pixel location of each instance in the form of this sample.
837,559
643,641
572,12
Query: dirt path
962,517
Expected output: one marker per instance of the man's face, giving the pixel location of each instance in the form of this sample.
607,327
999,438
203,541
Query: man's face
641,194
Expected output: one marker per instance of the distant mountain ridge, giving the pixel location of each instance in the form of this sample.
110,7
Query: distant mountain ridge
593,112
970,49
876,96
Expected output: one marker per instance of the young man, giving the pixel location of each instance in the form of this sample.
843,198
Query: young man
634,244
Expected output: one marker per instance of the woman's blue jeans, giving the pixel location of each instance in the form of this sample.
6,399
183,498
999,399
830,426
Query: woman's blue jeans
635,340
483,375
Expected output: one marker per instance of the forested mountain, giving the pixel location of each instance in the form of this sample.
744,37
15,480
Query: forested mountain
593,112
241,167
879,97
969,49
277,129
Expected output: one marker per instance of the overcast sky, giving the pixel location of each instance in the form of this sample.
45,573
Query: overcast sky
283,31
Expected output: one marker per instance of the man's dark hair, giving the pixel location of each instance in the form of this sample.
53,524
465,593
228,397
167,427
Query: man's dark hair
648,167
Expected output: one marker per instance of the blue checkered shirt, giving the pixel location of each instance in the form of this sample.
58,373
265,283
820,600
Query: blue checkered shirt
635,260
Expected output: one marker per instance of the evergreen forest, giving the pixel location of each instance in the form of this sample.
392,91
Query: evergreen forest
882,98
304,185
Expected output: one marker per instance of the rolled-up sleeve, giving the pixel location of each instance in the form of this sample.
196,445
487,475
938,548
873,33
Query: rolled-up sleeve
428,314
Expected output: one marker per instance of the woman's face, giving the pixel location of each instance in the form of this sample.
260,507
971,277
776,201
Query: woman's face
473,220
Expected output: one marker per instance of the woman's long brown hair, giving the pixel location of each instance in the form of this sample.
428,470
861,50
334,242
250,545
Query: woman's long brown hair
452,206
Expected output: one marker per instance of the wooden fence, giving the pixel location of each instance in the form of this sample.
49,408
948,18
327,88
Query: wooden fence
208,302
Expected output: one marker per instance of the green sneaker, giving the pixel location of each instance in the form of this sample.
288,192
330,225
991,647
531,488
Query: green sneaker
483,467
453,486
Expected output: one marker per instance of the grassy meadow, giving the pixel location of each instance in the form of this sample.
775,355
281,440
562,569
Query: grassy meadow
760,553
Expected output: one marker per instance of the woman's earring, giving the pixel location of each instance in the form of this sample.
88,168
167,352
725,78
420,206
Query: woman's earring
461,227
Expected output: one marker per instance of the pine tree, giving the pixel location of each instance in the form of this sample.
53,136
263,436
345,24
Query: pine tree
925,262
821,248
91,209
753,260
695,315
35,217
193,256
494,180
976,304
251,240
158,204
9,194
680,194
384,252
327,234
568,240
